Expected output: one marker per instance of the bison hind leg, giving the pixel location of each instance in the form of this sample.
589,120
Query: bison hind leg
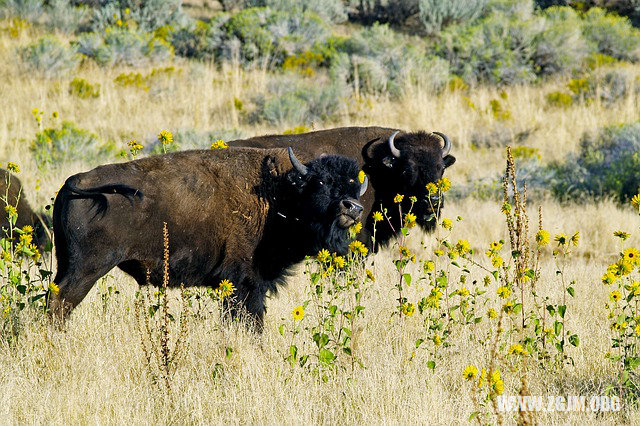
247,305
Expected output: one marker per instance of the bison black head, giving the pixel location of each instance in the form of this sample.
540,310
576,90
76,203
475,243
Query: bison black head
323,197
404,164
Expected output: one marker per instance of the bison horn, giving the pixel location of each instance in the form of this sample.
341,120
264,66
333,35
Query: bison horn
447,143
364,186
395,151
297,164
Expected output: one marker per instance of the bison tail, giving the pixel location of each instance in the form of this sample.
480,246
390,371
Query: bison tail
98,194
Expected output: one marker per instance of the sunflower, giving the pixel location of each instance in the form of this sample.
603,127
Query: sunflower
358,247
470,372
562,239
298,313
447,223
398,198
323,256
408,309
444,184
219,144
225,289
631,255
13,167
53,288
622,235
165,137
635,201
410,220
377,216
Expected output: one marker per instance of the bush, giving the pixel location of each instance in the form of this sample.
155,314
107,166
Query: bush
611,35
437,14
560,46
83,89
123,46
333,11
49,56
606,166
147,16
29,10
269,36
378,60
292,102
497,49
384,11
55,146
63,16
199,39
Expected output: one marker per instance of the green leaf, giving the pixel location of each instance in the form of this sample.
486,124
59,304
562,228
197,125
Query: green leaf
293,350
517,308
22,289
326,356
551,309
347,350
419,342
530,273
228,351
571,291
405,231
431,365
562,309
281,329
321,339
557,327
407,278
574,340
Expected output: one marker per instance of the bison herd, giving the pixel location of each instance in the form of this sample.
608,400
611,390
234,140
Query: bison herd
246,214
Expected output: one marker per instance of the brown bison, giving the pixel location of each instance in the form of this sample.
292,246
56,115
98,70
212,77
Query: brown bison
245,215
11,188
397,162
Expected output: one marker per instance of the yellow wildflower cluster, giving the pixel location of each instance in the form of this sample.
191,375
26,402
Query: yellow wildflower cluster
323,256
410,220
355,229
433,300
377,216
463,247
429,266
13,167
444,184
462,291
358,247
504,292
219,144
517,349
225,289
496,383
134,147
432,188
11,211
398,198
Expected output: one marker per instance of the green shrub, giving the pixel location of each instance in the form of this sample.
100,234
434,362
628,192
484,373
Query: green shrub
147,16
384,11
199,39
29,10
611,35
54,146
124,46
83,89
437,14
292,102
332,11
606,165
559,99
49,57
63,16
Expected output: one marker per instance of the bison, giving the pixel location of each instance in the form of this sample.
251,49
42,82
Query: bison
11,188
397,162
244,215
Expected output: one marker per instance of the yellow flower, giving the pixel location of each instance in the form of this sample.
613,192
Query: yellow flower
575,238
413,199
625,267
54,114
119,22
11,211
496,245
6,256
377,216
429,266
517,349
134,146
225,289
463,246
492,314
447,223
165,137
609,278
638,329
404,251
506,207
398,198
408,309
631,255
542,237
463,291
635,201
562,239
219,144
361,176
298,313
438,252
504,292
355,229
358,247
27,229
370,275
410,220
470,372
13,167
53,288
437,340
615,296
323,256
621,234
496,261
432,188
444,184
339,261
483,378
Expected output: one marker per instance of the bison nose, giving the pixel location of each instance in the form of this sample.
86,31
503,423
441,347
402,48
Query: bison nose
352,207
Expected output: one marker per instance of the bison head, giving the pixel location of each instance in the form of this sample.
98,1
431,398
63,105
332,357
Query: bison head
322,196
404,164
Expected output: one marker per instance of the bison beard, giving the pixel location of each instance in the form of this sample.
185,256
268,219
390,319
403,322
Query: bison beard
244,215
396,162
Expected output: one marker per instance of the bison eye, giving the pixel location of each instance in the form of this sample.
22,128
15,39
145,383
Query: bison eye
320,182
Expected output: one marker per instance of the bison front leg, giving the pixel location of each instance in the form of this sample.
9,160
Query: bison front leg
247,305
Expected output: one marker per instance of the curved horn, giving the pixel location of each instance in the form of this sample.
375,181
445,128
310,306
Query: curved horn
395,151
297,164
364,186
447,143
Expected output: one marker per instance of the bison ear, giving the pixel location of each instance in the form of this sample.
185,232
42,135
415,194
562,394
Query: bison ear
389,161
449,160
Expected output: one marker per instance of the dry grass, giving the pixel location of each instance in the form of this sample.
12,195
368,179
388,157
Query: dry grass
94,372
